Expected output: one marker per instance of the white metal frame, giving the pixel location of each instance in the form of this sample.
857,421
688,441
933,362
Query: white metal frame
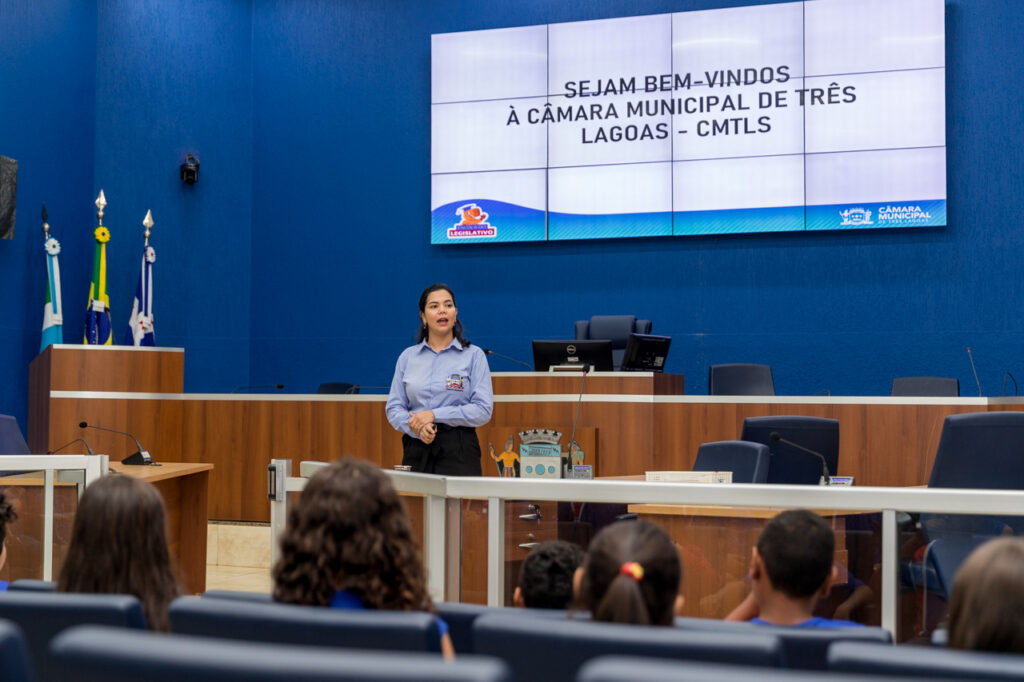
92,466
497,491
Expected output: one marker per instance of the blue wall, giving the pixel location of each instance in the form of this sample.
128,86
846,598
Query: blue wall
311,119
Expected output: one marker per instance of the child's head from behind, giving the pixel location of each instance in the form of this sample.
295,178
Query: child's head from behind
986,610
349,531
119,545
7,516
795,553
545,580
632,574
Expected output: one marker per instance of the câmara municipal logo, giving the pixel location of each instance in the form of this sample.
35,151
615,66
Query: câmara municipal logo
856,216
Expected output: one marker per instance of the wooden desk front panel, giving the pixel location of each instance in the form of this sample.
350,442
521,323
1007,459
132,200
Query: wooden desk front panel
615,383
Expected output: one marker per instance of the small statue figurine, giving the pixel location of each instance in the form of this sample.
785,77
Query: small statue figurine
507,461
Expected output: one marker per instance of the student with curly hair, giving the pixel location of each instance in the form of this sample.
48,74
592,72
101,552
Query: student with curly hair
631,574
545,580
348,545
986,609
7,515
119,546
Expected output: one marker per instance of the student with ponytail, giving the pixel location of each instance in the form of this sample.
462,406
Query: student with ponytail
632,574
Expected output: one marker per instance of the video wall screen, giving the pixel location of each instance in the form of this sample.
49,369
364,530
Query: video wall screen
816,115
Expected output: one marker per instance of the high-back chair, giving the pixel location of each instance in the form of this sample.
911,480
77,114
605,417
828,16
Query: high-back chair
740,379
95,654
935,387
747,461
924,662
614,327
313,625
618,668
14,661
43,615
556,649
338,387
789,464
12,442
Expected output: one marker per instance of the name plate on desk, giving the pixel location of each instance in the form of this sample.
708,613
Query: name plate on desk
689,476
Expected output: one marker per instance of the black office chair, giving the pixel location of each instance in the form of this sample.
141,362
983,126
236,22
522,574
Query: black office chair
792,465
740,379
935,387
803,648
555,649
95,654
14,660
43,615
747,461
338,387
614,327
313,625
924,662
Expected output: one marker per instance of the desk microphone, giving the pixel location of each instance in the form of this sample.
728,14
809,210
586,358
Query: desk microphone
826,479
82,440
970,356
488,351
140,456
236,389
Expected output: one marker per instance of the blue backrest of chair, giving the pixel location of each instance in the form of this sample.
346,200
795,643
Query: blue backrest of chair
313,625
556,650
259,597
740,379
747,461
94,654
460,618
939,387
12,442
924,662
43,615
618,668
32,585
614,327
791,465
980,450
14,661
803,648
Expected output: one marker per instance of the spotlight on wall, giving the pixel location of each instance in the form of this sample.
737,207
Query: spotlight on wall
190,170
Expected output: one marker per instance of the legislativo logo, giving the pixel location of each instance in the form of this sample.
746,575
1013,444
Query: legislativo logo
472,224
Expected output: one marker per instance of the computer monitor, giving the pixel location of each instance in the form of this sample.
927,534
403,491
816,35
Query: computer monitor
578,353
646,353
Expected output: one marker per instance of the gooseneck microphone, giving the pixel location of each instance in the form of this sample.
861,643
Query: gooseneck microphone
826,478
488,351
970,356
140,456
77,440
236,389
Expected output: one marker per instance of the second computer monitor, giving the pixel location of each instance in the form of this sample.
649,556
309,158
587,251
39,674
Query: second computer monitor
646,353
596,353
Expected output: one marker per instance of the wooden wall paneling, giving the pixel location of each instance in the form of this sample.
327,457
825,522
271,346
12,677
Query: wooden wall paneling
85,368
38,425
156,423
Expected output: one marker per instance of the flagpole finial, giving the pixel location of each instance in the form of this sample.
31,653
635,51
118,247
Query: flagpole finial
46,226
147,222
101,203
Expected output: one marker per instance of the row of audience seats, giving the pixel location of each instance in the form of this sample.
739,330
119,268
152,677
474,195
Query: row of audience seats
493,644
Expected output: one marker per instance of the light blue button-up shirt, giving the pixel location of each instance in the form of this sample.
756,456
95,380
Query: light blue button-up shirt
455,383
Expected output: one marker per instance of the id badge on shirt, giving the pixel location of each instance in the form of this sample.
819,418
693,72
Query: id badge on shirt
455,382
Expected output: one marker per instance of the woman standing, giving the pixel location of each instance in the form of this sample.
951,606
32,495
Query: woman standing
441,392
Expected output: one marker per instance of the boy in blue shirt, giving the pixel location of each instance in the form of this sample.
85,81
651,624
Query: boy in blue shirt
791,568
7,515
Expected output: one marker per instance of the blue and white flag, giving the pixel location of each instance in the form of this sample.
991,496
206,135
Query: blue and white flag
140,324
53,312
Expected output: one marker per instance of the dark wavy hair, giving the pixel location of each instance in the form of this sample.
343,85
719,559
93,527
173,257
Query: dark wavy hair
457,329
615,597
986,609
349,531
7,515
547,573
119,546
797,547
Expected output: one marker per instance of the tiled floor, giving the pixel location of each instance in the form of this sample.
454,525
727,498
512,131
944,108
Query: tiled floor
238,557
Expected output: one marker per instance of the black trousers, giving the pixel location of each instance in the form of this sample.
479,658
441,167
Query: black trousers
454,452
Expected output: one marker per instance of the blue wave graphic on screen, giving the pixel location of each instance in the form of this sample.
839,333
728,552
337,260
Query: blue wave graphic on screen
582,226
739,220
500,221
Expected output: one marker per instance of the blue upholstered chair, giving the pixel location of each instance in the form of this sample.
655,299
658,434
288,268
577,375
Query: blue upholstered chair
924,662
259,597
14,661
936,387
313,625
614,327
95,654
740,379
618,668
557,649
803,648
43,615
460,618
747,461
336,387
12,442
32,585
789,464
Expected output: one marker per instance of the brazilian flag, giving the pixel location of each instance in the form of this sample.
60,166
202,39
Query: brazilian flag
97,315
